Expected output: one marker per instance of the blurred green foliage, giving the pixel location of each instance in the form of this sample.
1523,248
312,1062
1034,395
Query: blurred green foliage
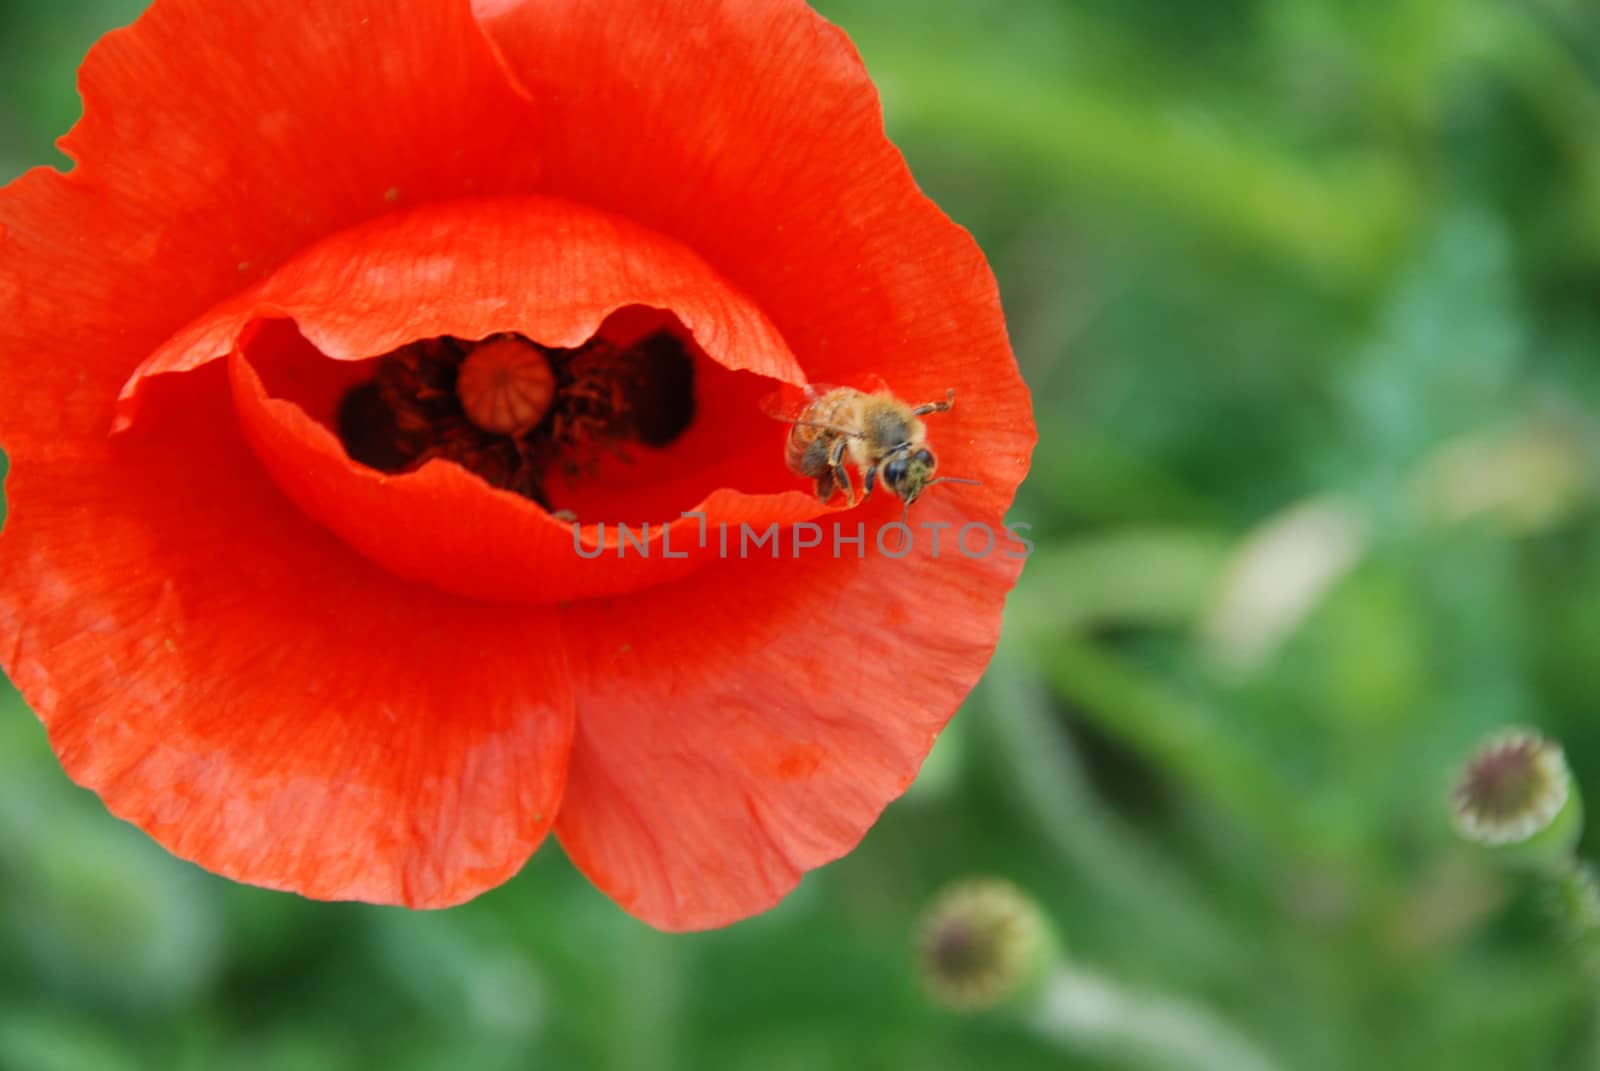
1307,294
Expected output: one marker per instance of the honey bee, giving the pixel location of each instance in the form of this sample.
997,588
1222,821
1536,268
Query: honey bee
874,431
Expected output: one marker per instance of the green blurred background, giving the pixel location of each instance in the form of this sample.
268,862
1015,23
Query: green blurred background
1307,294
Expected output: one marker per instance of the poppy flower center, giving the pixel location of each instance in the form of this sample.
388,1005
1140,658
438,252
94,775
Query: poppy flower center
570,371
516,413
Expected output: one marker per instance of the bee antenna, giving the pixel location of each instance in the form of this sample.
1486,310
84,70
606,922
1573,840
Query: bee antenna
905,514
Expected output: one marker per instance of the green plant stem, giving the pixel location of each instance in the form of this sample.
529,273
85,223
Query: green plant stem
1045,778
1089,1014
1574,897
649,988
1186,740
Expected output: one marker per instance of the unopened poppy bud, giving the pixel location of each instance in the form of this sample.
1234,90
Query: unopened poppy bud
983,941
1517,796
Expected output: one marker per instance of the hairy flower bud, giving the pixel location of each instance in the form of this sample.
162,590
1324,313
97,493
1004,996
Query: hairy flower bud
983,940
1516,795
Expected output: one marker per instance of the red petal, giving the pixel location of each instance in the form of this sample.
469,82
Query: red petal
218,139
552,271
750,723
752,133
255,696
223,673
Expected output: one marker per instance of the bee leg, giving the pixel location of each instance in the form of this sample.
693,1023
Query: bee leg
825,486
841,475
937,407
870,480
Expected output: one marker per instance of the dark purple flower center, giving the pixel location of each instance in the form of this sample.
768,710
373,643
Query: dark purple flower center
516,423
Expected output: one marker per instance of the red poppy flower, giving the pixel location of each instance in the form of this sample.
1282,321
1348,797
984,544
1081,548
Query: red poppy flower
307,663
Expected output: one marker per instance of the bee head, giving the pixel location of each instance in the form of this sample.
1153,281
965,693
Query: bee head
909,472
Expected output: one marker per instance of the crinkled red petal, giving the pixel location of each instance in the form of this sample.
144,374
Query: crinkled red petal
751,132
257,697
219,669
749,723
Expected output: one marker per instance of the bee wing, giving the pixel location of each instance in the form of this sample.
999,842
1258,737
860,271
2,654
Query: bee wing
874,384
789,402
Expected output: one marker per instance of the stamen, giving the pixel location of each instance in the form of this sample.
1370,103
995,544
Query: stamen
512,411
